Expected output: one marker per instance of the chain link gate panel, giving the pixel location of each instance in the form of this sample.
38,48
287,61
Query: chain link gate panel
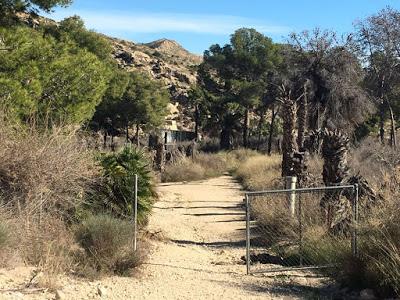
304,228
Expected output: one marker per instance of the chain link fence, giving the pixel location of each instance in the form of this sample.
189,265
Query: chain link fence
303,228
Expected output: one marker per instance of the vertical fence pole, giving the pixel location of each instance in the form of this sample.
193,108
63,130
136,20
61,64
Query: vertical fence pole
300,230
247,234
354,246
135,208
291,184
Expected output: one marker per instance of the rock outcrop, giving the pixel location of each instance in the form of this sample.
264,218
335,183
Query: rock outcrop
164,60
167,62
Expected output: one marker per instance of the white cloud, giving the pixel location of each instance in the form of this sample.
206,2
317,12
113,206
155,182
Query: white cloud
163,22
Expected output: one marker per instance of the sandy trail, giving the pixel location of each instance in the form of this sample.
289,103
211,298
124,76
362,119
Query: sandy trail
199,256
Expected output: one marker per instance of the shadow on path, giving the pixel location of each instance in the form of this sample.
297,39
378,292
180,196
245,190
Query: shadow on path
219,244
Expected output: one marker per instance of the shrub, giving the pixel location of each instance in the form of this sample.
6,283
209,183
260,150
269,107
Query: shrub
377,163
47,170
107,242
114,193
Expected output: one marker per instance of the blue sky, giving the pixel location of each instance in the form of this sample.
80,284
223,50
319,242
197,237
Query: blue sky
198,24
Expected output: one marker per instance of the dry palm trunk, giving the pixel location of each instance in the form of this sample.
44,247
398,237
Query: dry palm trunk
335,206
302,119
367,197
289,139
300,167
312,143
300,158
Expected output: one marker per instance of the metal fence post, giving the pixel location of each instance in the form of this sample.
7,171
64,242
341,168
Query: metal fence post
354,246
247,234
300,231
135,208
291,184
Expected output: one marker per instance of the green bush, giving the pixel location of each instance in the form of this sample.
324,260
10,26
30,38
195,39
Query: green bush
115,192
108,244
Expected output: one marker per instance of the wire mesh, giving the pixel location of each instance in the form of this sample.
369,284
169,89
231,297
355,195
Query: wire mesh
301,228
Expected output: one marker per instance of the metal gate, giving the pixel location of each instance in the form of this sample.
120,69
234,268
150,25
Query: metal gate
305,228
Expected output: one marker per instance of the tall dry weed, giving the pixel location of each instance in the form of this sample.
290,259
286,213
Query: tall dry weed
43,170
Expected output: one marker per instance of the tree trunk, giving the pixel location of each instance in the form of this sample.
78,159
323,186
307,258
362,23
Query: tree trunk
289,140
137,135
314,116
246,129
271,130
159,155
105,139
382,121
393,141
112,146
127,133
197,121
302,120
259,129
225,139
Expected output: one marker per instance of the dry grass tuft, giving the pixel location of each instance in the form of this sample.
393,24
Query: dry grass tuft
213,164
47,245
260,172
183,170
205,165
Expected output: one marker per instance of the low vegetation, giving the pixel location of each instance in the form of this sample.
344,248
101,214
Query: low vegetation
205,165
378,262
108,245
259,172
49,184
114,191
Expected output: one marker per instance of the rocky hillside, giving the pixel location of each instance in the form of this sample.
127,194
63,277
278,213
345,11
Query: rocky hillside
168,62
165,60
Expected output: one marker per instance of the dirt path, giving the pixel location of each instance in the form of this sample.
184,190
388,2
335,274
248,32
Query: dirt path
199,255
